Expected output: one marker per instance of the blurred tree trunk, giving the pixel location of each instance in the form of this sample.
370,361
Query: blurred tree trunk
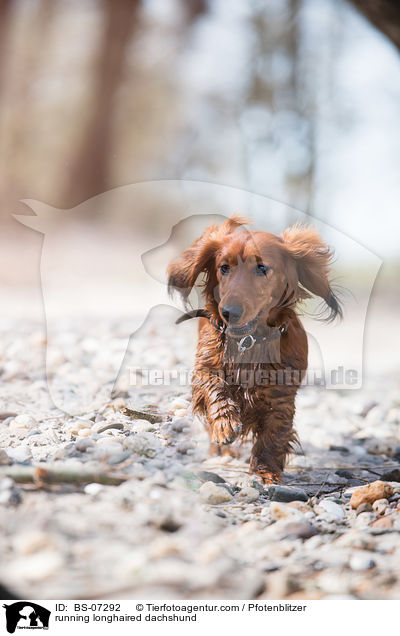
193,9
5,18
384,15
17,89
89,173
5,13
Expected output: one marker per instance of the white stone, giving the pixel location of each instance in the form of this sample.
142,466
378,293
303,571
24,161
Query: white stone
22,425
248,494
25,420
6,483
37,567
105,447
333,510
361,561
93,488
179,403
146,444
334,583
141,426
380,506
212,494
19,454
180,412
364,519
280,510
32,541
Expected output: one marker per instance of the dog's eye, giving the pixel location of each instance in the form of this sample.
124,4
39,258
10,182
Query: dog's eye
261,269
224,269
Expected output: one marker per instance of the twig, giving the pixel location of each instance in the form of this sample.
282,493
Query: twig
153,418
318,483
322,485
43,475
357,467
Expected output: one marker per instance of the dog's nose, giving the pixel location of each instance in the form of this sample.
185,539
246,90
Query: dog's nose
232,313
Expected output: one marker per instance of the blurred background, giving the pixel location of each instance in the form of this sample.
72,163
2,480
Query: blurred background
296,100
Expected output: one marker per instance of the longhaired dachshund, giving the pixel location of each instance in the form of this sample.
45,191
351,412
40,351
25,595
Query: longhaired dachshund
252,349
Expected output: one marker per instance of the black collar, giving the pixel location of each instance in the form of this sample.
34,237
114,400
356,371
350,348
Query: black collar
247,342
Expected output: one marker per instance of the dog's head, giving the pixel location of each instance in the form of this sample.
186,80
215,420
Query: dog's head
249,275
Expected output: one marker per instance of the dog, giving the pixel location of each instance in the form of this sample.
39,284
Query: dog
252,348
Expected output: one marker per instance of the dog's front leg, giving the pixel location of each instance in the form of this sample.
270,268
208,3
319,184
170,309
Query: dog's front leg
211,396
274,437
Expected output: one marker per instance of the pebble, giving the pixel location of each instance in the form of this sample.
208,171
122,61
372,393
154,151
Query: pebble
302,507
383,522
256,484
284,511
146,444
367,408
106,448
185,448
31,541
333,511
298,530
206,475
6,483
4,415
180,424
4,458
370,493
380,447
21,425
396,453
84,432
284,494
331,583
180,412
84,444
141,426
101,427
364,519
20,454
119,458
10,496
93,489
380,506
24,420
364,507
179,403
78,425
212,494
248,494
37,567
361,561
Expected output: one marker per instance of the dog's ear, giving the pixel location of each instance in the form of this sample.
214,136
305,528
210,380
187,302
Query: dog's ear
185,270
312,259
200,258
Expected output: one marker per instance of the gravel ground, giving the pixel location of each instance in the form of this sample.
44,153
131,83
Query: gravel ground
179,523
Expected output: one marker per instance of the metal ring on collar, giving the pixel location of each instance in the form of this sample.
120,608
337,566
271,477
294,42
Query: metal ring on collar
243,347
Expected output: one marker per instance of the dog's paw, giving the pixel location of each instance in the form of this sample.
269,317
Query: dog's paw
266,477
225,431
263,474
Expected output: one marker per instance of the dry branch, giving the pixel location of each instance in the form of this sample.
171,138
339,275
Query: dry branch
46,475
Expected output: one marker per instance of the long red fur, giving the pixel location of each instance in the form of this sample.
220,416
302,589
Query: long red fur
225,394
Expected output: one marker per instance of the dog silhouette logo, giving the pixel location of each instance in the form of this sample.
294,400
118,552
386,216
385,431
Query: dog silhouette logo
26,615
